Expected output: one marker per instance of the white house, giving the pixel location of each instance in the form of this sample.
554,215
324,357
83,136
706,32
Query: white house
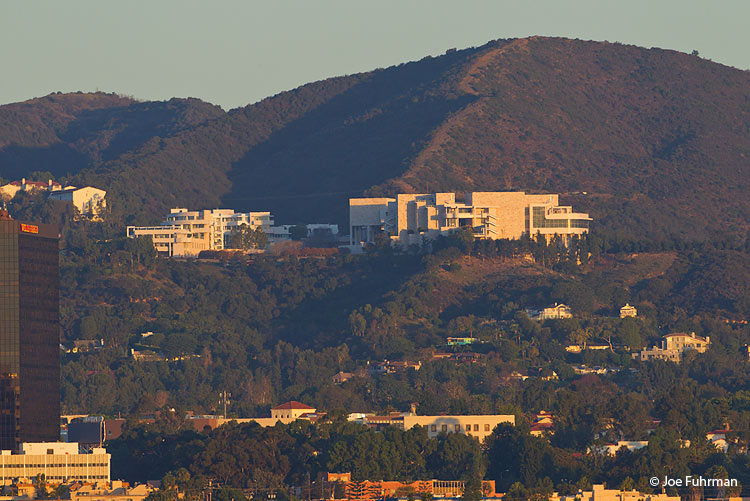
88,200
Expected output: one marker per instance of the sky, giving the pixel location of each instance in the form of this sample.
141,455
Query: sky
233,53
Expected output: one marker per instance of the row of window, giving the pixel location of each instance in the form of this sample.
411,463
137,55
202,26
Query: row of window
457,428
55,465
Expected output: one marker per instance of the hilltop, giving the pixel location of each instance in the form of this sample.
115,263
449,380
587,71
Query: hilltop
658,140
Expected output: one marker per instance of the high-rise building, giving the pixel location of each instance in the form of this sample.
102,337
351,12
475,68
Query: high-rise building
29,333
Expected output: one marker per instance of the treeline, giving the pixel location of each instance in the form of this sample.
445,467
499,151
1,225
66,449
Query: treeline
263,460
279,328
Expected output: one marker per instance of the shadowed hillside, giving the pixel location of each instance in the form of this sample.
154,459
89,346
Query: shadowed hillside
658,140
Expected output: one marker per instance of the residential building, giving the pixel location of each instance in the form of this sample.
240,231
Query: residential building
478,426
391,367
628,311
461,341
458,357
599,493
89,201
631,445
718,438
543,422
285,413
29,333
342,377
291,410
58,461
674,346
185,233
553,312
408,218
10,190
113,491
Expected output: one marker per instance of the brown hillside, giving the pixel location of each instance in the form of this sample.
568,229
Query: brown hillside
658,139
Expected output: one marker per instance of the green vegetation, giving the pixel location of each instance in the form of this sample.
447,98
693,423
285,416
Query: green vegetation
643,132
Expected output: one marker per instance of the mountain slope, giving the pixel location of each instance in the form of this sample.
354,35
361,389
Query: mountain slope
659,140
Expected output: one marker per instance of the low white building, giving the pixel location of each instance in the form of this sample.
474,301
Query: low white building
282,233
185,233
57,461
674,346
631,445
88,200
598,492
628,311
553,312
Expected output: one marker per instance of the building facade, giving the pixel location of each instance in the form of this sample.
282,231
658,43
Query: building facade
29,333
552,312
674,346
599,492
291,410
477,426
89,201
10,190
59,462
628,311
493,215
185,233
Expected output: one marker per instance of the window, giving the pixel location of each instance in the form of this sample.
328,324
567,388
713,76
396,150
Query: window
445,427
50,451
486,427
468,427
457,428
579,223
476,427
433,427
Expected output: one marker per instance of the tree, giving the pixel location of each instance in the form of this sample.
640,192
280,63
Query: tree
246,237
357,323
298,232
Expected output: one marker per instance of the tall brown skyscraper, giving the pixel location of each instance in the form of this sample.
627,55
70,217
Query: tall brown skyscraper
29,333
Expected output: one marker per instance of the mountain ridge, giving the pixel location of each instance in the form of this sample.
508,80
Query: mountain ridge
658,139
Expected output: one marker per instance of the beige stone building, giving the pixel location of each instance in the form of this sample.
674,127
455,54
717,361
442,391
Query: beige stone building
285,413
291,410
600,493
494,215
10,190
628,311
88,200
114,491
674,346
555,312
58,461
185,233
477,426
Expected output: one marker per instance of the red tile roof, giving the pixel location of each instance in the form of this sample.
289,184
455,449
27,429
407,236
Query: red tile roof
293,405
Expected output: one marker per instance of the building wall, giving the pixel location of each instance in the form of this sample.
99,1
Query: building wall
87,199
56,467
600,493
291,414
480,425
367,217
185,233
29,333
491,215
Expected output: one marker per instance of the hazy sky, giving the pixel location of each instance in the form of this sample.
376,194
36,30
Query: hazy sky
233,53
